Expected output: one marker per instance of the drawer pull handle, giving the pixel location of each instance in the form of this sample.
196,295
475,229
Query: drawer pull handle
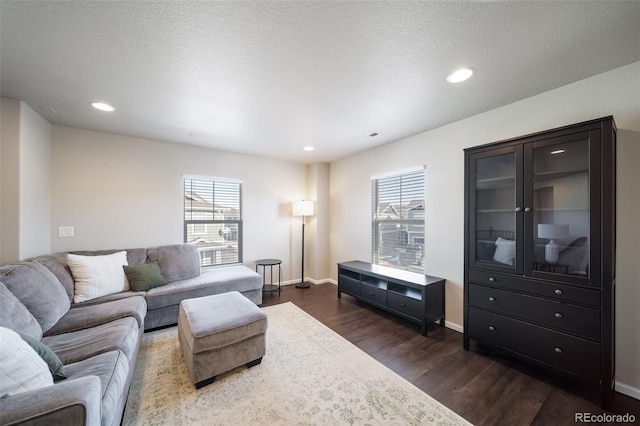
492,328
527,209
492,279
518,209
492,299
558,291
558,350
558,315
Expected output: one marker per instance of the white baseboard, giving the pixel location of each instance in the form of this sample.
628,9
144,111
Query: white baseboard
310,280
628,390
453,326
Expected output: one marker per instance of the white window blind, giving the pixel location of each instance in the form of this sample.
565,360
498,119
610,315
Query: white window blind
398,220
213,219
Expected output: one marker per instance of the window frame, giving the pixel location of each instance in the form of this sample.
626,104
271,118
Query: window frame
188,180
403,220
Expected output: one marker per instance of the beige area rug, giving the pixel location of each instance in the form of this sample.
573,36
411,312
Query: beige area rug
309,376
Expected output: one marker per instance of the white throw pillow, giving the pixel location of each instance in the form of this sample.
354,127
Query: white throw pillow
21,368
97,276
505,251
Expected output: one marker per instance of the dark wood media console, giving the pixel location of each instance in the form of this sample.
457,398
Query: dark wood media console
416,297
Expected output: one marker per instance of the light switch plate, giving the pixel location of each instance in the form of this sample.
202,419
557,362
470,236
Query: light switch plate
65,231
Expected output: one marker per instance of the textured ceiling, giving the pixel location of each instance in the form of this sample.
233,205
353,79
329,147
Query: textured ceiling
268,78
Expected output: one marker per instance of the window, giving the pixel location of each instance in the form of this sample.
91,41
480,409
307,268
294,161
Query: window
397,210
213,219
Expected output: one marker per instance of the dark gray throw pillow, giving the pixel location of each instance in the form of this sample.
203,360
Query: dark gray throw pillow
144,277
53,362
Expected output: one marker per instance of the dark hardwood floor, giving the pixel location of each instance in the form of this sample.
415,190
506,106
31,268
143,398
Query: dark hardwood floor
484,388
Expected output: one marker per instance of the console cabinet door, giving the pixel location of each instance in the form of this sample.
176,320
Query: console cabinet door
561,184
494,207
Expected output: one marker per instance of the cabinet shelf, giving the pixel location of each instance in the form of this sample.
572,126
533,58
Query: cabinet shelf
406,291
563,209
496,179
557,174
374,282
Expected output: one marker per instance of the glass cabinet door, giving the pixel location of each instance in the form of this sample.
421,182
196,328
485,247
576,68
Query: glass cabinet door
494,200
560,220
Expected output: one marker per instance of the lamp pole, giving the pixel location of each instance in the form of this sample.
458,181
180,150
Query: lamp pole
302,284
302,208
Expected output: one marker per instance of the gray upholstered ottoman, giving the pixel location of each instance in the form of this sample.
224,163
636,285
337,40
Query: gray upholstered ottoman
219,333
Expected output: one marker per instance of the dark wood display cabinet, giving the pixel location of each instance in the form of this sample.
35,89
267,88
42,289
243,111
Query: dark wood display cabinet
416,297
540,249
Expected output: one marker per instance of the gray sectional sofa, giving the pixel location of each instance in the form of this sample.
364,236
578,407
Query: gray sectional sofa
98,340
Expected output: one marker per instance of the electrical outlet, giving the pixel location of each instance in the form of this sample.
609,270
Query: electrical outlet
65,231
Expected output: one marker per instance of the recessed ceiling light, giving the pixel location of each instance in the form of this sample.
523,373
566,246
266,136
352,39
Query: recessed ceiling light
102,106
309,148
460,75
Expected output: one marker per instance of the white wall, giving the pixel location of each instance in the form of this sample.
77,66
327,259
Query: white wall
317,245
35,188
9,181
124,192
25,202
441,150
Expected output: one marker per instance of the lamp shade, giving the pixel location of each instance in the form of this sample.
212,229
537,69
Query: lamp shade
302,208
552,231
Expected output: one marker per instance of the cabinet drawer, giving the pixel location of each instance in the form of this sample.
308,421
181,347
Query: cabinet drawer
406,305
374,294
541,288
557,315
572,354
349,285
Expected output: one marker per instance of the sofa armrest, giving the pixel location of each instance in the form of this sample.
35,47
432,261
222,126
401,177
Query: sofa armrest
71,402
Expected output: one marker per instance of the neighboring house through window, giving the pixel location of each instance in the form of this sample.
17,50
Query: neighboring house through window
397,209
213,219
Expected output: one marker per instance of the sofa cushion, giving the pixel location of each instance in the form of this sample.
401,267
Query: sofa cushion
21,368
14,315
38,290
57,264
48,356
80,317
211,281
112,368
121,334
144,277
97,276
177,262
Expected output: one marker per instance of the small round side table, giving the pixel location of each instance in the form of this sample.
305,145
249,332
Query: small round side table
271,287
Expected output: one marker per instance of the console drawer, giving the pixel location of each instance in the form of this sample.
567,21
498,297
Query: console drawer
374,294
557,315
405,305
349,285
572,354
541,288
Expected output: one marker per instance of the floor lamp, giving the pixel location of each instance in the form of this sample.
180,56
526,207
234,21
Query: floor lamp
302,208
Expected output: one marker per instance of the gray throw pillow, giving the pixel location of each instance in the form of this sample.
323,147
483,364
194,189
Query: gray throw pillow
53,362
38,290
